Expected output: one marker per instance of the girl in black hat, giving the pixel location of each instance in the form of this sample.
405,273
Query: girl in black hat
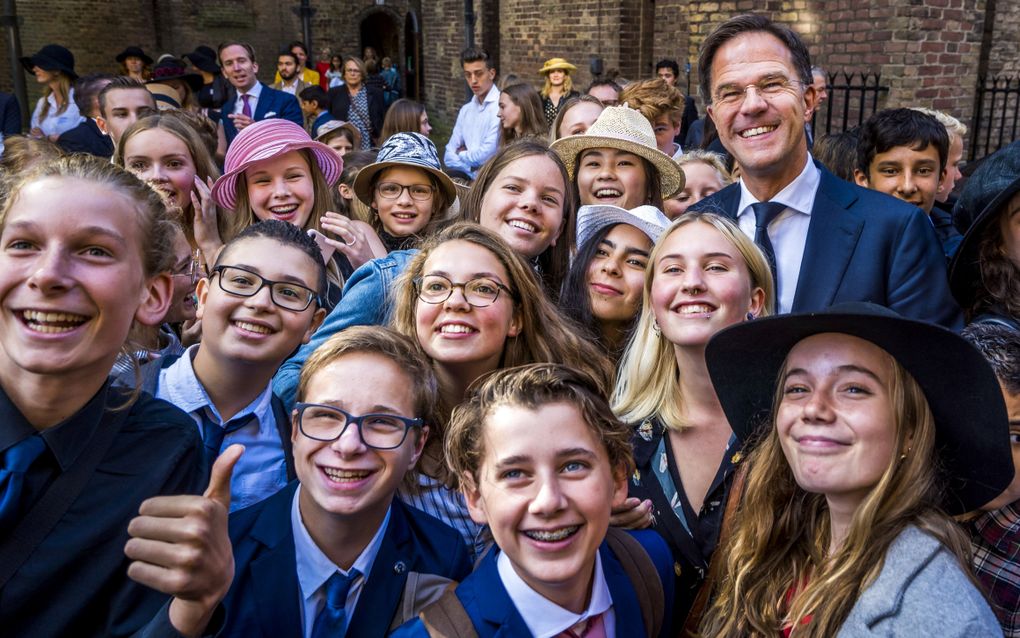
55,112
134,64
875,429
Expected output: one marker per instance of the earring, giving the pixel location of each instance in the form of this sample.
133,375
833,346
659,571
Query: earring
750,316
655,326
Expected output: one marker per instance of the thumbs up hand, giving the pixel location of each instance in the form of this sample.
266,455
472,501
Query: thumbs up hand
180,546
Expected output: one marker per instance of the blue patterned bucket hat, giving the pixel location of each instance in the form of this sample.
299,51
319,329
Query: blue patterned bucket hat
405,149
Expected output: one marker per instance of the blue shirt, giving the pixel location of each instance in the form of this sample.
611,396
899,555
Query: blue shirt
262,470
477,130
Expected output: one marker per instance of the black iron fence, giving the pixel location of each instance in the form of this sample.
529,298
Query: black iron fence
996,114
853,97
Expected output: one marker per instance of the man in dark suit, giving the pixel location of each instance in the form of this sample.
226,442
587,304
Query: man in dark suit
250,101
828,241
87,137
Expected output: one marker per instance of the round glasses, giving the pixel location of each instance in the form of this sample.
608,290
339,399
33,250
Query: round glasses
245,283
378,431
392,190
479,292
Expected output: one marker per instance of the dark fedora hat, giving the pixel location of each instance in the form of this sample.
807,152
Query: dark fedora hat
52,57
204,58
134,52
986,192
971,424
171,68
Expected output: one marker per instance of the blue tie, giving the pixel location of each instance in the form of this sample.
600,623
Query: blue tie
764,214
16,461
332,620
213,433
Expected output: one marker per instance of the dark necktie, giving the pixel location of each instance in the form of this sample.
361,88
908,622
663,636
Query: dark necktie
246,107
15,463
332,620
213,433
764,214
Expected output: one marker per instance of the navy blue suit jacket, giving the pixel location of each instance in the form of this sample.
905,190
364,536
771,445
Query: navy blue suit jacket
10,115
863,245
278,103
264,598
494,615
87,138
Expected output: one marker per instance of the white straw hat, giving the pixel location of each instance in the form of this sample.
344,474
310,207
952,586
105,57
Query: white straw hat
591,219
625,129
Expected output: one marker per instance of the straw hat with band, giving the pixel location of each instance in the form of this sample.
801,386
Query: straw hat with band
405,149
328,129
593,218
971,424
52,57
265,140
557,64
624,129
985,195
165,95
171,68
134,52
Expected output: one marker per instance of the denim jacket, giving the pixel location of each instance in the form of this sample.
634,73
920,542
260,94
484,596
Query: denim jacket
365,302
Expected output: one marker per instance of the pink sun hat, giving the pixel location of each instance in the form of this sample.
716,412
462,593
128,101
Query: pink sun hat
265,140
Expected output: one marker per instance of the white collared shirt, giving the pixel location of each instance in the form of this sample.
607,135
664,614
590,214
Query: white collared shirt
262,469
477,130
545,618
788,232
314,568
57,123
253,102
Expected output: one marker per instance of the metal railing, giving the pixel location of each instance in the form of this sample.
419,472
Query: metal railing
853,97
996,114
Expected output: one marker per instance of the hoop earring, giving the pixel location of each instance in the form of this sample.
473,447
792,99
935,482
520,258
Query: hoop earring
655,326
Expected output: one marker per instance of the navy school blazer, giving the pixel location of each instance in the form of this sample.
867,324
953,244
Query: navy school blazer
282,105
863,245
264,597
494,615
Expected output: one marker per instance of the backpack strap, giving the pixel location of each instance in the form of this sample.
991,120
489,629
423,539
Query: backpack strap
447,618
420,591
643,576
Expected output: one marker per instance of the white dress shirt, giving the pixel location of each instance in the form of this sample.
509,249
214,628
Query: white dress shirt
545,618
477,130
314,568
788,231
253,101
58,123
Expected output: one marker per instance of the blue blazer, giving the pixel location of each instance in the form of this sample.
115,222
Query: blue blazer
494,615
278,103
264,597
863,245
10,115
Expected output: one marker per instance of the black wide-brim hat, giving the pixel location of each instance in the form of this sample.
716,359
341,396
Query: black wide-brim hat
987,191
204,58
171,68
971,424
134,52
52,57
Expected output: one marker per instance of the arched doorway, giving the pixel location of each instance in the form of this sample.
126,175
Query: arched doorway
413,71
381,31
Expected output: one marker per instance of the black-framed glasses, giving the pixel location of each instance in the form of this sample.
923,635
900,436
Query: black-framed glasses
392,190
245,283
767,89
479,292
328,423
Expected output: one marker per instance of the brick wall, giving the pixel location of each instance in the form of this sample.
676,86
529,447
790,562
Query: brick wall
1004,45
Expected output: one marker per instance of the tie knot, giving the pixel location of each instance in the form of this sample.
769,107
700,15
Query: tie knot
337,588
245,97
765,212
20,456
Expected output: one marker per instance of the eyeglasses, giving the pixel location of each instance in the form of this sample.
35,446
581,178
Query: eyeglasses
477,292
378,431
392,190
244,283
192,270
767,89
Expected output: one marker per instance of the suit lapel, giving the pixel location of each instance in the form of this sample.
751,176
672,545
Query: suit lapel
384,587
831,240
266,103
283,429
274,572
497,610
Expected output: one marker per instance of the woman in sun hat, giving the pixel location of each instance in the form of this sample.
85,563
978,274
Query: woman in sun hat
984,275
616,162
55,112
604,287
172,72
869,431
134,63
274,170
407,190
558,86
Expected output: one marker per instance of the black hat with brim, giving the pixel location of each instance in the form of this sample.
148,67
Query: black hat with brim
971,425
134,52
171,68
52,57
203,58
983,197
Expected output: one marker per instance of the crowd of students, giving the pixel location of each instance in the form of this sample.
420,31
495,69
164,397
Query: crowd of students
279,366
